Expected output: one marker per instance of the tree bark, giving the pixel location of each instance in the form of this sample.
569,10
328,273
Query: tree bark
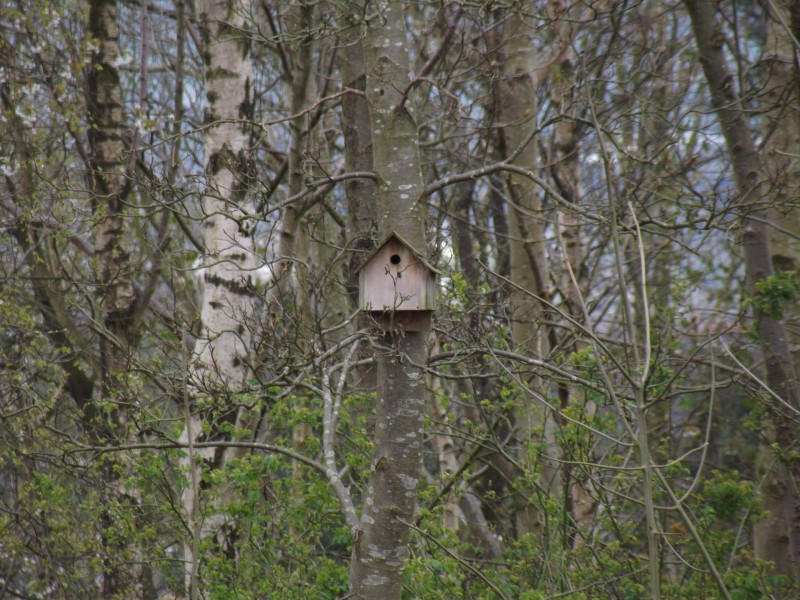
781,131
221,365
565,170
362,225
361,218
301,87
109,184
380,544
524,68
779,540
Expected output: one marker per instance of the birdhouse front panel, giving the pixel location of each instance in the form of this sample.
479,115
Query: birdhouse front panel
395,279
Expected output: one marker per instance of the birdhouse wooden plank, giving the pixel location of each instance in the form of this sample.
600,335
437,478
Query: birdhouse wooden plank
395,284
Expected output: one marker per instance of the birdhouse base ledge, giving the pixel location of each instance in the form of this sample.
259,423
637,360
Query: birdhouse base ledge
418,320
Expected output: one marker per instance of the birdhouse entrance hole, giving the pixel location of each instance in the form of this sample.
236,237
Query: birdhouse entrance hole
395,259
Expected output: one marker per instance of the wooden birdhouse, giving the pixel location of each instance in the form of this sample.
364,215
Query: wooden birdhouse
397,287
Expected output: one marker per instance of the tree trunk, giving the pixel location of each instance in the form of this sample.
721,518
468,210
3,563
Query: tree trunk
778,538
380,545
565,170
221,366
362,225
524,68
782,134
301,87
109,184
361,219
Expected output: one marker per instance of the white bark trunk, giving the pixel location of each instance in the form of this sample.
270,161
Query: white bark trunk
220,367
108,181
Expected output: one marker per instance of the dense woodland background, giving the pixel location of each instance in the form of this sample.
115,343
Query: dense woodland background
604,404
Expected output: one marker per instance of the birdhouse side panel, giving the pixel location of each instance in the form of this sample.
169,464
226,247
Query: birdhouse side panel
429,302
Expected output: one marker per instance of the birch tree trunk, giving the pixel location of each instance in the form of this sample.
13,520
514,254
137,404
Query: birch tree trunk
380,544
220,365
779,539
109,184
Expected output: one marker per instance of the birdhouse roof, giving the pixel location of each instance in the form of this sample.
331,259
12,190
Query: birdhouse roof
399,238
